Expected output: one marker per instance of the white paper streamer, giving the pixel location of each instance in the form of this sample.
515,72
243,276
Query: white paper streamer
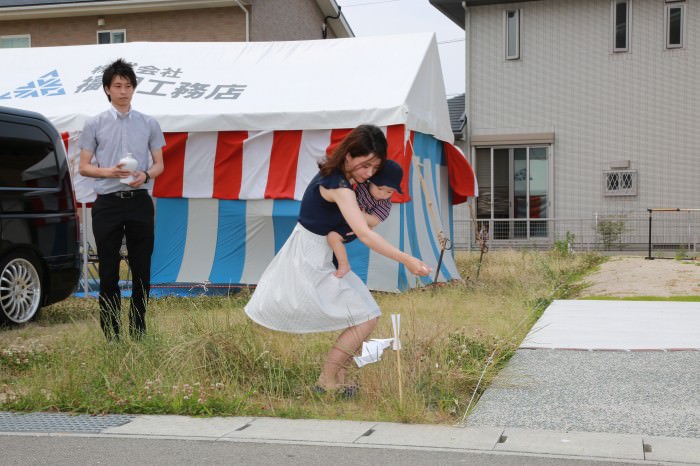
372,351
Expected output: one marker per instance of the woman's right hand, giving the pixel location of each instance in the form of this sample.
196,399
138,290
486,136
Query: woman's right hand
417,267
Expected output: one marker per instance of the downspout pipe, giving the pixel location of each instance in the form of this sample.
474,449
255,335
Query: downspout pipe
467,84
467,109
247,20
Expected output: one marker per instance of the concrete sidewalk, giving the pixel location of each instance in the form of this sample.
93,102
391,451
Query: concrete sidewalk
612,367
625,367
639,449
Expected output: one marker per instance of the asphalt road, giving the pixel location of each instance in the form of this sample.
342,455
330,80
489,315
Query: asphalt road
58,450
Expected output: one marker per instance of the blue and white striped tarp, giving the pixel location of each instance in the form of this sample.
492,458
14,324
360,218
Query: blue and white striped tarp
231,242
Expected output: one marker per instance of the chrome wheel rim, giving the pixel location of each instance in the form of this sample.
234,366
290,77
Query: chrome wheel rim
20,290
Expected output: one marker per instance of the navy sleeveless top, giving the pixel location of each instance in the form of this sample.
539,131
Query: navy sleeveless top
317,214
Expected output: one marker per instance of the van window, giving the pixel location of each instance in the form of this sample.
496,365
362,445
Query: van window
27,158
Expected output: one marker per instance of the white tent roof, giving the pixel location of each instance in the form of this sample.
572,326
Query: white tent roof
219,86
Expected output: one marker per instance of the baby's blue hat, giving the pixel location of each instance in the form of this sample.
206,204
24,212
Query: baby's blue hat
390,175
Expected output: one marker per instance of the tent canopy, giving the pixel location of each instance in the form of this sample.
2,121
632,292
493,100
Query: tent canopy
246,124
225,86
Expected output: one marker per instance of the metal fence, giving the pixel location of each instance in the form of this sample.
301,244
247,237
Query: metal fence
673,233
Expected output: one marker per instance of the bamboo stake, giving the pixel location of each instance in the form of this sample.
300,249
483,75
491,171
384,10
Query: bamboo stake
398,368
431,209
428,199
396,324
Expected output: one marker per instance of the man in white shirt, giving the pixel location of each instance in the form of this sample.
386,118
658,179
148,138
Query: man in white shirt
122,210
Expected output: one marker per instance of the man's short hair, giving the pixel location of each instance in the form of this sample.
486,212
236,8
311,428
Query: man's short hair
118,68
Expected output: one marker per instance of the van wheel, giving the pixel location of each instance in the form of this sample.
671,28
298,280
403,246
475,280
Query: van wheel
20,288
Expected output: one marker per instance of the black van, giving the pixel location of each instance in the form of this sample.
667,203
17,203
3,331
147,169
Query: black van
39,229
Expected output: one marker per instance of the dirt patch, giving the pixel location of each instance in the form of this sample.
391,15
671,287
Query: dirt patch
635,276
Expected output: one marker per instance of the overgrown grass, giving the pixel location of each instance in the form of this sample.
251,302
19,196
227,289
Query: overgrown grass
203,356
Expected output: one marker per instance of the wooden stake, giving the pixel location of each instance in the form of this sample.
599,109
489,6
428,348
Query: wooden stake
433,216
396,325
398,367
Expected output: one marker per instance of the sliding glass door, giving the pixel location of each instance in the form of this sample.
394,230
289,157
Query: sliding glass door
513,191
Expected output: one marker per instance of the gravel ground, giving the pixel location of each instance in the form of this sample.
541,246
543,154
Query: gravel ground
635,276
641,392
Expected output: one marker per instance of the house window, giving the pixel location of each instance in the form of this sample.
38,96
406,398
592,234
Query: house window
675,15
116,36
19,41
514,191
621,25
512,34
620,182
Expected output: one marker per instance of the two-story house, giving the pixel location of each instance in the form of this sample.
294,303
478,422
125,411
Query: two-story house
582,112
40,23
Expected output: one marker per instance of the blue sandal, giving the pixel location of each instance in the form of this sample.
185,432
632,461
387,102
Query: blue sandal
350,391
318,390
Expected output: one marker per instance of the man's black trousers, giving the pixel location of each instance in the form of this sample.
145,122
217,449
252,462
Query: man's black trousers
113,218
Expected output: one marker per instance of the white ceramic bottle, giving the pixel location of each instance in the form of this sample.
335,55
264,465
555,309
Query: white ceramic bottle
128,163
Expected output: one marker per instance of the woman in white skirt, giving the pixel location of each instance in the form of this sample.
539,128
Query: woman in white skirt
299,292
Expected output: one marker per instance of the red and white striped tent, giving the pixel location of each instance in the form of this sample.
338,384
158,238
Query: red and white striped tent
246,124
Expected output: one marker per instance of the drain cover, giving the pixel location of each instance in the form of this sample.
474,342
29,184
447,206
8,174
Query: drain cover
60,422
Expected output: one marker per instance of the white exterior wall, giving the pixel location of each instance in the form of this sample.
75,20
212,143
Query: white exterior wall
643,105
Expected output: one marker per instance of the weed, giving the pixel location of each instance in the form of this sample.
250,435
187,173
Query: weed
565,246
610,230
203,356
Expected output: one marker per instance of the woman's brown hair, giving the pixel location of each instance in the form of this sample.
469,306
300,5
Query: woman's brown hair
361,141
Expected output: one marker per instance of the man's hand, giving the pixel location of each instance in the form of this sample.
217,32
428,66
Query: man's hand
115,172
139,179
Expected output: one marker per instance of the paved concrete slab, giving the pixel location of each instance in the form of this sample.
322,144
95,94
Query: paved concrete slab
587,444
650,393
180,426
681,450
617,325
303,430
469,438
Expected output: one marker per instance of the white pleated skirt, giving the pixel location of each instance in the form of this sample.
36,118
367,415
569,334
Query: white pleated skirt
299,293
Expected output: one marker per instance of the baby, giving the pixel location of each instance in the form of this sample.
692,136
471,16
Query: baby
374,199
